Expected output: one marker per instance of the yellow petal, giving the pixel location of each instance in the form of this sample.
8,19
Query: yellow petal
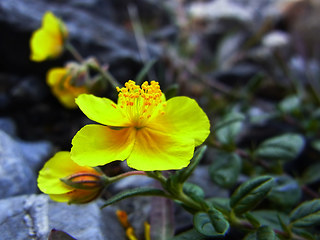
59,166
102,110
76,196
154,150
51,23
95,145
43,45
183,118
55,75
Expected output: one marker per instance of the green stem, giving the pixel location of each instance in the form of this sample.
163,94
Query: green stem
106,75
74,52
109,180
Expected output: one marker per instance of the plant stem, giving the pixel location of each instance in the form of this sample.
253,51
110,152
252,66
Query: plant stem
124,175
106,75
74,52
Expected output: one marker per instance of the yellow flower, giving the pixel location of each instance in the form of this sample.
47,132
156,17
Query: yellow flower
65,181
48,41
62,86
144,128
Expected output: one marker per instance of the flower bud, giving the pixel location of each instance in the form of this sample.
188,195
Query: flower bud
65,181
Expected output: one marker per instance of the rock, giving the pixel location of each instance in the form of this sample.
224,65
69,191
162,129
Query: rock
276,40
8,126
35,215
220,9
19,163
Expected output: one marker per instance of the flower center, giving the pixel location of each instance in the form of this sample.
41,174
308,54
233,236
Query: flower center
141,103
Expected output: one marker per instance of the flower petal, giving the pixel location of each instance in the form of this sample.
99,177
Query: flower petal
184,118
95,145
102,110
154,150
59,166
43,45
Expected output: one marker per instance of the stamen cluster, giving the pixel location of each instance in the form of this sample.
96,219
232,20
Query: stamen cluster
140,102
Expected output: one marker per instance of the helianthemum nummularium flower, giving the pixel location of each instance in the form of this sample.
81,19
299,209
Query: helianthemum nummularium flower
65,86
65,181
48,41
144,128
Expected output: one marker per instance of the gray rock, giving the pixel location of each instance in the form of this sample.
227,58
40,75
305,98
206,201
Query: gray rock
31,217
19,163
8,126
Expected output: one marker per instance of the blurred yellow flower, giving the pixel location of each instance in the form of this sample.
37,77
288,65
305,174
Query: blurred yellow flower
48,41
144,128
84,182
64,86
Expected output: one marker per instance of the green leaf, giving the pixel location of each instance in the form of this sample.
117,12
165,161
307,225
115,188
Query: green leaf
289,104
255,223
225,169
311,174
306,234
316,144
192,234
145,191
270,218
286,192
144,71
222,204
285,147
59,235
265,233
228,128
306,214
250,194
193,190
211,224
182,175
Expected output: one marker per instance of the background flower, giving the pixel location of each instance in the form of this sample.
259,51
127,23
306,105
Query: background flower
48,41
64,86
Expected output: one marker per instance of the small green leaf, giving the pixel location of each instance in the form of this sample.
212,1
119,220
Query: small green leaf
316,145
306,214
270,218
192,234
145,191
286,192
193,190
144,71
285,147
289,104
265,233
182,175
255,223
311,174
225,169
250,194
211,224
222,204
306,234
228,128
